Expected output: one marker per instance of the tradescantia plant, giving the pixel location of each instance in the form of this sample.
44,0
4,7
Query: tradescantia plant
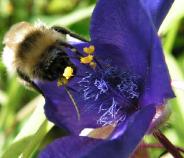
121,79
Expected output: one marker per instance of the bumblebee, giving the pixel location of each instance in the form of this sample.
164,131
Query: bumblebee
38,52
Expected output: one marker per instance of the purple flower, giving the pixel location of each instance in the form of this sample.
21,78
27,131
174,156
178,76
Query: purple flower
129,81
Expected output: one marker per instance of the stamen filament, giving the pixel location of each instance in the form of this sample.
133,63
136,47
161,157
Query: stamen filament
74,103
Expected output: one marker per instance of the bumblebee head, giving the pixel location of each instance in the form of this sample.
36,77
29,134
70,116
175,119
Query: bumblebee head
53,63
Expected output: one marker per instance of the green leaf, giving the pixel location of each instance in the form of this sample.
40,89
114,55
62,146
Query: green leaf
16,148
31,135
67,20
36,139
176,13
177,103
34,122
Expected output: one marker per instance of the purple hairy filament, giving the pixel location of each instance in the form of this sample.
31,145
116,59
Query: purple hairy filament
112,91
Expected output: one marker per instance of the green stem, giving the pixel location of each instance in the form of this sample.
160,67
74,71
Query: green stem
176,74
171,36
12,101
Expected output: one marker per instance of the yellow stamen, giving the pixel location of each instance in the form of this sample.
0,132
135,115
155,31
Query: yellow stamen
89,50
86,60
92,48
62,81
92,64
68,72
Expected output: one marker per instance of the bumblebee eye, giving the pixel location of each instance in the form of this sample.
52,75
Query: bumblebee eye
53,64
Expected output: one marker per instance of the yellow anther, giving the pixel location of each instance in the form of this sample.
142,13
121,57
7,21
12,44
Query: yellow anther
92,64
89,50
86,60
68,72
59,83
62,81
92,48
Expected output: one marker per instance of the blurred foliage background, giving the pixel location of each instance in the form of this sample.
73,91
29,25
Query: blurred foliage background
24,130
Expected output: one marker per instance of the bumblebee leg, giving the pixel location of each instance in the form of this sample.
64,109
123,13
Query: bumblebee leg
65,31
28,80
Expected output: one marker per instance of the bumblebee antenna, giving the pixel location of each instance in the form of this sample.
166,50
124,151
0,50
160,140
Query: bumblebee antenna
73,101
65,31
